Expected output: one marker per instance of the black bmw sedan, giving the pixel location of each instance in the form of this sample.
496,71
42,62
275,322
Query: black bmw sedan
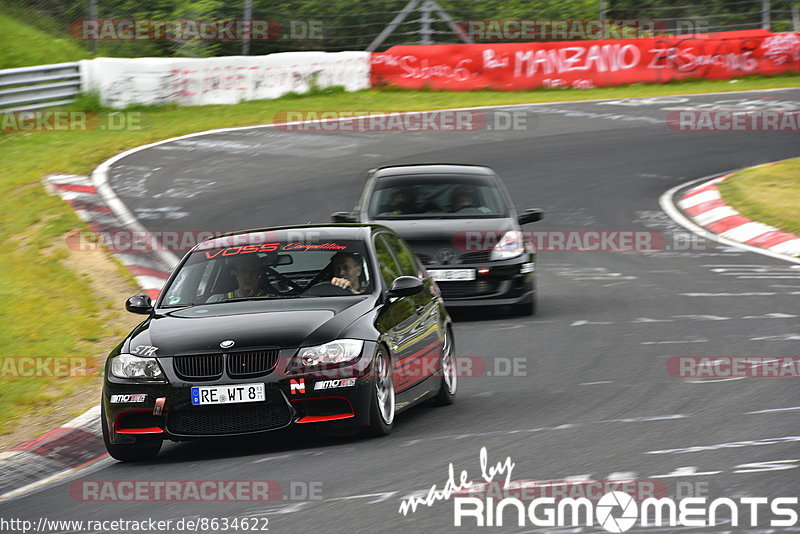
334,325
462,224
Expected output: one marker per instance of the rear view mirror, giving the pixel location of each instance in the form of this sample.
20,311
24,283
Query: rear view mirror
530,215
343,217
141,304
404,286
279,259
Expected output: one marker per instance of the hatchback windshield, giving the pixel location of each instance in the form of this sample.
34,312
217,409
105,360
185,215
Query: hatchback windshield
436,197
270,270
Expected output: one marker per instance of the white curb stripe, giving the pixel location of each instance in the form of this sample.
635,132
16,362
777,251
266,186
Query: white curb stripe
76,195
150,282
71,179
88,421
791,247
747,231
670,207
138,260
715,215
699,198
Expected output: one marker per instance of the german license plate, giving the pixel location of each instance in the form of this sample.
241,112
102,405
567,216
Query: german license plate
445,275
232,394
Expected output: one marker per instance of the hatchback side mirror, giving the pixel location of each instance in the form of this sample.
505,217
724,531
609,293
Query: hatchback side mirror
141,304
405,286
530,215
343,217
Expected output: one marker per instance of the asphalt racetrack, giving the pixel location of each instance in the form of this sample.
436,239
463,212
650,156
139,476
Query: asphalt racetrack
592,398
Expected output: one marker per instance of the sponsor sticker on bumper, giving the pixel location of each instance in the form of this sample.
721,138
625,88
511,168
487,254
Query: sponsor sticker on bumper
134,398
340,383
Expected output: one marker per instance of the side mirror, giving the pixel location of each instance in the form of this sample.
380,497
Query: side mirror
343,217
405,286
141,304
530,215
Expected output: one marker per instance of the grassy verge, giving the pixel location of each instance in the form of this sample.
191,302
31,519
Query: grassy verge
769,194
22,45
51,308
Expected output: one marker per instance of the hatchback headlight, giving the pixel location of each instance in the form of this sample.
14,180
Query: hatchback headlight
509,246
130,366
333,352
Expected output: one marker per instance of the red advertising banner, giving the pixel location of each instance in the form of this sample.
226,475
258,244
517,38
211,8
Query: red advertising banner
586,64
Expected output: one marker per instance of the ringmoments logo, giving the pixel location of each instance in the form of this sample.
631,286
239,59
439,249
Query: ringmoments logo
615,511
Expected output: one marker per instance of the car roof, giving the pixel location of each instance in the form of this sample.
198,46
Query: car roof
432,168
334,231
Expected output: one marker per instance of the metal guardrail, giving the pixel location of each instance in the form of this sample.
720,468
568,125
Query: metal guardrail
39,87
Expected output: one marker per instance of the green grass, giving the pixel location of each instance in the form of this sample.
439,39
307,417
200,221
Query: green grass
23,46
769,194
49,309
48,312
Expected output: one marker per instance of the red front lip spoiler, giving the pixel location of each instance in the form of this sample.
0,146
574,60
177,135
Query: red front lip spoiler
151,430
321,418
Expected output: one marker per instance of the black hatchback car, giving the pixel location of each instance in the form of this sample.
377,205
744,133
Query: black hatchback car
335,325
462,224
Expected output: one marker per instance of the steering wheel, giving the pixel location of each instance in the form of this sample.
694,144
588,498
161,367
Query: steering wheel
272,273
326,289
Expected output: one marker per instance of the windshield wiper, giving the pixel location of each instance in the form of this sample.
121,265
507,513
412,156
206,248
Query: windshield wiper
243,299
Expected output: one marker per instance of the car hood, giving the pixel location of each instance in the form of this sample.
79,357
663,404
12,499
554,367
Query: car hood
431,238
433,229
275,323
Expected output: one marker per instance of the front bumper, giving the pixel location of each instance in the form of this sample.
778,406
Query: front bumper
145,411
496,283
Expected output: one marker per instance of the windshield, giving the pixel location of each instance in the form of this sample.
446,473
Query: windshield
436,197
270,270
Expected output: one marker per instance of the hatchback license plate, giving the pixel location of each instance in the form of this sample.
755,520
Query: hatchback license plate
445,275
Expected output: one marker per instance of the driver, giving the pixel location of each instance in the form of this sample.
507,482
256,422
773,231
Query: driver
347,272
463,196
403,202
248,273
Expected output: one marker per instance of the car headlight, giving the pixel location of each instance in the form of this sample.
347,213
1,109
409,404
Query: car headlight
509,246
130,366
333,352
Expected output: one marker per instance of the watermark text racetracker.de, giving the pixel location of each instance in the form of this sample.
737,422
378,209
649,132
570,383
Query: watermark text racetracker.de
194,490
47,366
194,29
464,120
734,121
55,120
614,511
465,367
91,526
730,367
581,240
487,30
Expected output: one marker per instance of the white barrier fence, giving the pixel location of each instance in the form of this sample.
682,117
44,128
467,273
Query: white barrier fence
220,80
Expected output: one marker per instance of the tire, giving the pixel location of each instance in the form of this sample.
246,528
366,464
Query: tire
136,452
449,385
382,399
